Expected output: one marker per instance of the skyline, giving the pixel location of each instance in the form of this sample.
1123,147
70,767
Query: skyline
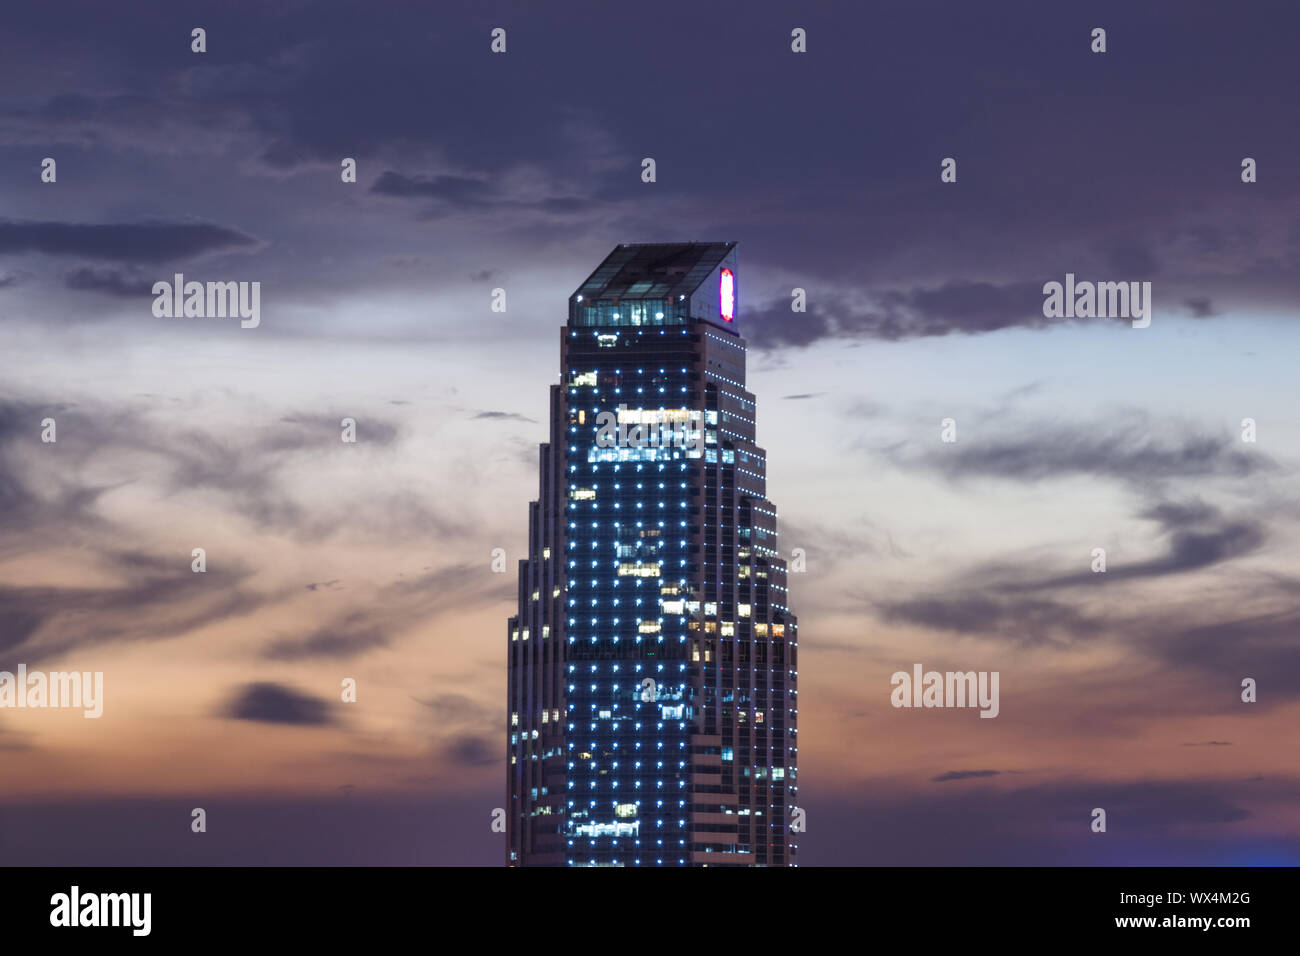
475,171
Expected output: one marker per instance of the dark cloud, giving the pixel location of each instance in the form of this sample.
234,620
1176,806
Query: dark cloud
1259,643
1181,514
17,623
457,190
395,609
370,430
505,416
352,635
35,491
471,751
962,306
1019,619
566,205
1017,605
162,598
120,242
246,467
271,703
12,741
900,258
1131,450
460,193
964,775
1201,307
1191,550
457,709
955,307
1132,259
1198,536
110,282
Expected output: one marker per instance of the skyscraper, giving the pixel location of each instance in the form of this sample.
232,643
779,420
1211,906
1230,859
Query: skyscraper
653,658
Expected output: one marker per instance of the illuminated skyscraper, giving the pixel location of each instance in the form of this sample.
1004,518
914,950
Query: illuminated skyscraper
653,659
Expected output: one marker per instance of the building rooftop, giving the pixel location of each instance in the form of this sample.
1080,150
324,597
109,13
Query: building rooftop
654,270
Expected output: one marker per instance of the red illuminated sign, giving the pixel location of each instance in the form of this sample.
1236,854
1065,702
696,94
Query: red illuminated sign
727,294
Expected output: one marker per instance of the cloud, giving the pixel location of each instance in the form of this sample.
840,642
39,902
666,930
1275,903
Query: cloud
271,703
395,609
457,709
463,193
1133,451
251,468
145,242
349,637
110,282
472,751
1191,550
12,741
35,492
953,307
244,475
457,190
505,416
1260,643
1253,636
1198,537
162,598
964,775
1022,620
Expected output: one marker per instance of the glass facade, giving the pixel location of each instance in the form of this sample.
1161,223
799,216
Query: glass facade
653,659
625,313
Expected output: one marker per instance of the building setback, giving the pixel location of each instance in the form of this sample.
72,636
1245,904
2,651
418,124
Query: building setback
653,659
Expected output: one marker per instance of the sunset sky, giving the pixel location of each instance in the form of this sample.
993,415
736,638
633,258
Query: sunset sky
520,171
